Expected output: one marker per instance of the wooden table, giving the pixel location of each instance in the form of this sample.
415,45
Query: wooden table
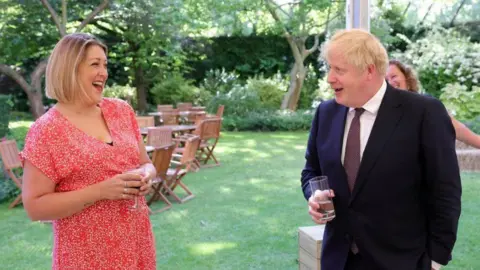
175,128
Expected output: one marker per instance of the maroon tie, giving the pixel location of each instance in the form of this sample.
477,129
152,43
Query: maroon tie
351,162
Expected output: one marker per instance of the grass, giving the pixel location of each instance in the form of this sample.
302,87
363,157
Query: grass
245,214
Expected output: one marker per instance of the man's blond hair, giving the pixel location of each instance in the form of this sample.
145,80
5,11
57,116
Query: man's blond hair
61,77
360,48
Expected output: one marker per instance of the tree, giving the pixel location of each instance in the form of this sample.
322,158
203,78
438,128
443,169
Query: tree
148,37
298,20
31,24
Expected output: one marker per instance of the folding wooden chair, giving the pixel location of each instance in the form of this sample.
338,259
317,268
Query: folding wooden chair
159,136
170,117
185,106
164,107
145,121
199,118
194,115
11,161
219,113
161,158
175,175
209,132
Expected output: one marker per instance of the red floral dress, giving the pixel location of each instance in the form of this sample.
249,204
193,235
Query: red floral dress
105,235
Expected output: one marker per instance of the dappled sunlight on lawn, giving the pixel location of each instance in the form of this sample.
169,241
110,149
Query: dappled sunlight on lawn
41,248
245,215
210,248
225,190
242,211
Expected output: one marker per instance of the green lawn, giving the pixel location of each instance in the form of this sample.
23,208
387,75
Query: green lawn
245,215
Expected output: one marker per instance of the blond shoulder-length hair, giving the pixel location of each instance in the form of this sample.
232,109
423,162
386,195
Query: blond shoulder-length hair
61,77
360,48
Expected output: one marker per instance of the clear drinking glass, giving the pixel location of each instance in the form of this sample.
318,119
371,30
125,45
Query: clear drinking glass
320,191
140,171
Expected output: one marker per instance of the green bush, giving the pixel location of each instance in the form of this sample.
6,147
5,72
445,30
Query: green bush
219,81
240,101
474,125
270,91
464,104
269,121
175,89
5,108
126,92
309,90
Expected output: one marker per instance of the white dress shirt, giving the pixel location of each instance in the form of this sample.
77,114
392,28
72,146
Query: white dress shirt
367,119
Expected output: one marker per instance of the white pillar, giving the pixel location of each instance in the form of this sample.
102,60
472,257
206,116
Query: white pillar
358,14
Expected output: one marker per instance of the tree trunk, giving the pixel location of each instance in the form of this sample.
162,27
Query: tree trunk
297,77
139,84
33,90
292,105
36,103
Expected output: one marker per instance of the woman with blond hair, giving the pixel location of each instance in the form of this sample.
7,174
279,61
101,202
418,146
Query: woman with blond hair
403,77
75,161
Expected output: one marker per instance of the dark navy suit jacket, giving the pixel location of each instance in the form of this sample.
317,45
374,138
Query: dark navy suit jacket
405,205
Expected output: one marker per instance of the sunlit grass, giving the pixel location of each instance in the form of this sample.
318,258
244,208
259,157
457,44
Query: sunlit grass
245,214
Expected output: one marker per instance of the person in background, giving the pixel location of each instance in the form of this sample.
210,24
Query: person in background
74,159
403,77
396,193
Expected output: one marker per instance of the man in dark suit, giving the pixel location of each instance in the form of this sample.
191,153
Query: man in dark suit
391,165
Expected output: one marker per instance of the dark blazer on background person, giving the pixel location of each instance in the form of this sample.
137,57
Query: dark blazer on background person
404,208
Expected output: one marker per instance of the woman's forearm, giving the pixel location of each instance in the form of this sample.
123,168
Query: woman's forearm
59,205
465,135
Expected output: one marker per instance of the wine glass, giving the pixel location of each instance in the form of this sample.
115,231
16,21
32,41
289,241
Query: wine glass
140,171
320,192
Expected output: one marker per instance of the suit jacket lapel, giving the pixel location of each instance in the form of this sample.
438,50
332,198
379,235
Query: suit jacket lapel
388,116
333,147
335,140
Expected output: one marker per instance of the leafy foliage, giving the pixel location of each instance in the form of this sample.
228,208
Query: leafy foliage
4,114
270,91
464,104
239,101
175,88
309,89
126,92
269,121
219,81
443,56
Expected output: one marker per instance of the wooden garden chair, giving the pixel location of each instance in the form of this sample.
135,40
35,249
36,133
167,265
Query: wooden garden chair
181,167
199,118
159,136
170,117
219,113
184,106
161,158
11,163
145,121
194,115
209,133
164,107
220,110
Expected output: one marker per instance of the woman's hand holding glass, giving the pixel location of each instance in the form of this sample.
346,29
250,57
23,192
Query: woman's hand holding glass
120,187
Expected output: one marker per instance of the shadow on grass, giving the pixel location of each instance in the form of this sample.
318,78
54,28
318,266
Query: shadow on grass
245,214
